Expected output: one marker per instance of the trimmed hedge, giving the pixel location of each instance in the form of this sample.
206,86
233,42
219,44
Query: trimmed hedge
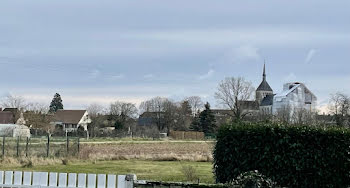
291,156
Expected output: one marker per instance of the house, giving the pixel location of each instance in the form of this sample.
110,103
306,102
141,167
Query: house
14,130
8,115
71,120
150,118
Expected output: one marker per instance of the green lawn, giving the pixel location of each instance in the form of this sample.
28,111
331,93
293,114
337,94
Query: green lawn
145,170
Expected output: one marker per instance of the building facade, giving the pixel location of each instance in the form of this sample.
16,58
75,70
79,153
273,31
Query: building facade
295,98
71,120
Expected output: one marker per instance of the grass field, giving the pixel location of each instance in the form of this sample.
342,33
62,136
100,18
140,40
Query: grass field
115,149
159,160
144,169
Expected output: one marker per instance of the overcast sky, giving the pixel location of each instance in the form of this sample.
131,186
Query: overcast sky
101,51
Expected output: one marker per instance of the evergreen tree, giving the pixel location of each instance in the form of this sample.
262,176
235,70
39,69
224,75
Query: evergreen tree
120,121
205,122
56,103
195,125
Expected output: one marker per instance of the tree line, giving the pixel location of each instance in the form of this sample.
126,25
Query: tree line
191,113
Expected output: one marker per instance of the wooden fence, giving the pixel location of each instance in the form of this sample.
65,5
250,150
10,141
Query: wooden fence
186,135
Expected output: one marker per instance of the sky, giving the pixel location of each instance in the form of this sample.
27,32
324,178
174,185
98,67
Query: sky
103,51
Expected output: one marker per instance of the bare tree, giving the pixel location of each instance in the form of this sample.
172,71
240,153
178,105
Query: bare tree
155,107
123,108
95,109
39,120
284,114
97,119
231,91
13,101
302,116
339,106
17,103
172,116
162,110
155,104
122,114
37,117
196,103
37,107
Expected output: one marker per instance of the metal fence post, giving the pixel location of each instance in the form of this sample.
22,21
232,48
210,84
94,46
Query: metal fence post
78,145
27,143
17,153
3,146
48,146
67,145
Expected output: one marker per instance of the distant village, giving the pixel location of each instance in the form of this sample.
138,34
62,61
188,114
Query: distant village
159,116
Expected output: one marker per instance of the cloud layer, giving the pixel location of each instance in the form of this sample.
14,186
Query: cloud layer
106,50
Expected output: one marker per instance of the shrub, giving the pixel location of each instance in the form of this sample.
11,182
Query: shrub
253,179
27,163
65,161
291,156
189,172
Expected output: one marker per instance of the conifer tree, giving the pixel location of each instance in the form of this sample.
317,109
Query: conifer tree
205,121
56,103
195,125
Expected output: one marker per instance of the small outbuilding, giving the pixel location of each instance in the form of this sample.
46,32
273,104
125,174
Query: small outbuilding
14,130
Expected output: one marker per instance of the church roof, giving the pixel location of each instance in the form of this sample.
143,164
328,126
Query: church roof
264,86
292,87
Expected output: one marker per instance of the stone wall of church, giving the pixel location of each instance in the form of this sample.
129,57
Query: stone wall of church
260,95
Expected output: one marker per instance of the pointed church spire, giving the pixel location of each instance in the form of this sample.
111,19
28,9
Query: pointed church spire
264,73
264,86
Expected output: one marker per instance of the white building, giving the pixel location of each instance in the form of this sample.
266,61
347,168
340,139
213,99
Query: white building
71,120
295,96
14,130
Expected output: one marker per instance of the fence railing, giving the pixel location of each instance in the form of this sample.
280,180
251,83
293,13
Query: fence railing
41,147
64,180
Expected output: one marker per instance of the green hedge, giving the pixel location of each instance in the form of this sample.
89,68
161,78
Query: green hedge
291,156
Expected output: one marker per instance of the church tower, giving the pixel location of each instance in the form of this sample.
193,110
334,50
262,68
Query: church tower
263,90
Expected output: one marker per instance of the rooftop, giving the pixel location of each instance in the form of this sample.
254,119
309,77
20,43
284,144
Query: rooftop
69,116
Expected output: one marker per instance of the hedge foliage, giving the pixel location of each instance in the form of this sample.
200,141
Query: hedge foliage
291,156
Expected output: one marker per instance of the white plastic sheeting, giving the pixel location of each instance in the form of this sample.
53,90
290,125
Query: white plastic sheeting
14,130
294,96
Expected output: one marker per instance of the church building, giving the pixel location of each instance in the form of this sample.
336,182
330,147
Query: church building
295,97
263,90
